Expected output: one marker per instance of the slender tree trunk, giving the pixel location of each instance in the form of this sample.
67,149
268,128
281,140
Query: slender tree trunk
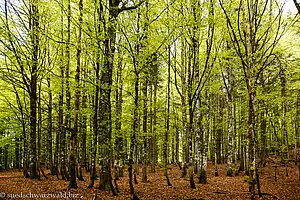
214,142
133,136
219,130
206,132
145,117
68,130
17,154
62,131
95,99
190,126
57,145
61,136
39,129
83,159
34,20
95,121
183,109
176,139
155,149
263,124
166,135
263,129
284,135
74,131
49,136
234,141
242,146
5,157
24,136
251,153
230,123
25,144
119,153
154,112
154,116
151,144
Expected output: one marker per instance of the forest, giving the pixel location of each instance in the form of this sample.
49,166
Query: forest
149,99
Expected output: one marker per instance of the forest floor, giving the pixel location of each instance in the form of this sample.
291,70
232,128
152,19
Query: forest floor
220,187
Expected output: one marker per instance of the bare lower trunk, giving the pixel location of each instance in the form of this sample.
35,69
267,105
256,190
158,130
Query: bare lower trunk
203,167
145,117
49,136
230,133
166,135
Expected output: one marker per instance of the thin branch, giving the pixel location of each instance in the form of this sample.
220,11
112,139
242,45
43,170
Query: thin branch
124,7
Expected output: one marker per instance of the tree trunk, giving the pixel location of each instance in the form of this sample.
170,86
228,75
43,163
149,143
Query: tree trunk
133,136
17,154
145,117
219,129
68,130
5,157
166,135
83,129
206,132
250,154
189,133
62,131
176,139
153,121
24,136
284,134
119,153
105,98
95,121
34,20
49,136
74,131
234,141
230,123
183,110
151,141
39,129
83,159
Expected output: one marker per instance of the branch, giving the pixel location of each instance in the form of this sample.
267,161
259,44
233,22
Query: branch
123,7
297,6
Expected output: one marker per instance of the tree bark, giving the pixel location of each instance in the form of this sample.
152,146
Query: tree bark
219,129
145,117
68,130
74,131
49,136
166,135
230,122
183,110
206,132
119,153
34,20
284,134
